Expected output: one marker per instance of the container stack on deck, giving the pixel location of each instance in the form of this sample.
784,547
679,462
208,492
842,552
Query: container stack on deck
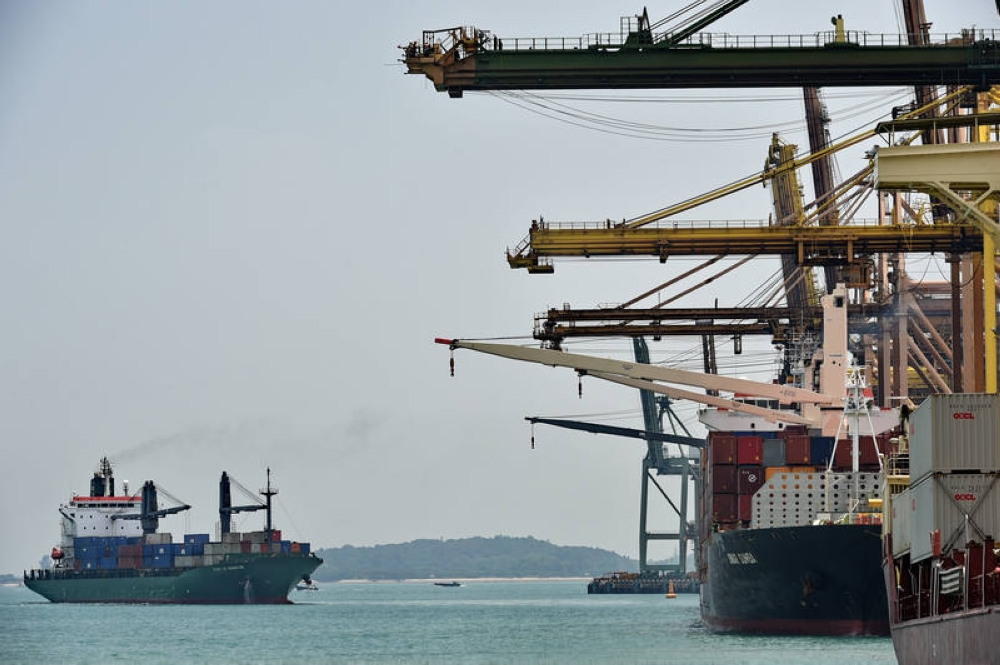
780,478
157,550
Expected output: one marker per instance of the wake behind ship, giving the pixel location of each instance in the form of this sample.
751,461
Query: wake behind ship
111,551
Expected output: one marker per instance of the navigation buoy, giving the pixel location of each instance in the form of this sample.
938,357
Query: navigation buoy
670,590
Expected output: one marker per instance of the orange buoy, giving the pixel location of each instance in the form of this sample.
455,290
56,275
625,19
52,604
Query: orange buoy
670,590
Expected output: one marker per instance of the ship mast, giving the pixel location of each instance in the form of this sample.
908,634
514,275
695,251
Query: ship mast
268,492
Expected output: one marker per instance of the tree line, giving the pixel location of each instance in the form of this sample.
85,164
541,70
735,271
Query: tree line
499,556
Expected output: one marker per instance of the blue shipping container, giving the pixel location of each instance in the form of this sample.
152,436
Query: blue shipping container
821,449
163,561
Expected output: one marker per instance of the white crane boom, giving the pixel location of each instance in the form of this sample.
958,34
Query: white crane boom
771,415
590,364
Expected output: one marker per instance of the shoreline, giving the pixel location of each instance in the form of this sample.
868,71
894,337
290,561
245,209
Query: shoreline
463,580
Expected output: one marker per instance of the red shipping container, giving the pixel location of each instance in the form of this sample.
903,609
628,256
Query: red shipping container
723,508
798,450
866,453
724,479
749,450
723,448
750,479
746,507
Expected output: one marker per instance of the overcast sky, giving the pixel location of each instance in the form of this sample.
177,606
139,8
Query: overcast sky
231,231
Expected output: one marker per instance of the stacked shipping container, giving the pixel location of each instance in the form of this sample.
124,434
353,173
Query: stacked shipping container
738,464
158,551
954,469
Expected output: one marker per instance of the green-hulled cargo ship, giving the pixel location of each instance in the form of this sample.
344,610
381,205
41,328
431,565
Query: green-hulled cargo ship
132,562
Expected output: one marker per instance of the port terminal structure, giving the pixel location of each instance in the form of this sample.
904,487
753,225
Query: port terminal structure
940,338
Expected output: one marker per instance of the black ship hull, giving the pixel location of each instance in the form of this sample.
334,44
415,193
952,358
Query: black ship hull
806,580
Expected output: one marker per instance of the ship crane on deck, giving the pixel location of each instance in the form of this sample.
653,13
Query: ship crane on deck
226,507
150,511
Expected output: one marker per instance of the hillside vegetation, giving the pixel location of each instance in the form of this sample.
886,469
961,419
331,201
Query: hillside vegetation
499,556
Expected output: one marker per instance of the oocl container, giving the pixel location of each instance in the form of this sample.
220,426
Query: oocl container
955,504
957,432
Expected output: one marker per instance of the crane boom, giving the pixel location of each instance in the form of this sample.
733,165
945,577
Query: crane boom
771,415
598,428
649,373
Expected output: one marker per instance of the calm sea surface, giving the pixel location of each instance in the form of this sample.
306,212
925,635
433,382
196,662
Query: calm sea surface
482,622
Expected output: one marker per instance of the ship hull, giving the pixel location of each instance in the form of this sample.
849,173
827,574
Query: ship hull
808,580
239,579
961,637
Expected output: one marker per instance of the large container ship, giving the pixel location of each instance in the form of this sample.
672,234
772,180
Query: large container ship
791,546
111,551
791,514
941,518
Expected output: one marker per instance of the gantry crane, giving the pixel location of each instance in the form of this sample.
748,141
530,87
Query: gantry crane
467,58
638,56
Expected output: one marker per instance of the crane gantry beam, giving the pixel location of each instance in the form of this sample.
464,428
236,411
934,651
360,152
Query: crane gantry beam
466,58
812,245
559,323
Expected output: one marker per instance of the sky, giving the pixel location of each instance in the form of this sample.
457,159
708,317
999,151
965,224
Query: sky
232,230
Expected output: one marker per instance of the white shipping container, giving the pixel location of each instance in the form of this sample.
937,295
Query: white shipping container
188,560
159,538
957,432
942,502
901,522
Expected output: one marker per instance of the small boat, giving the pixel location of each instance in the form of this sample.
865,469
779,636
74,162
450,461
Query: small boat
306,586
447,584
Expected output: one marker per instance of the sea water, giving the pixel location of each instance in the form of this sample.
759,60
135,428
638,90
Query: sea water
412,622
